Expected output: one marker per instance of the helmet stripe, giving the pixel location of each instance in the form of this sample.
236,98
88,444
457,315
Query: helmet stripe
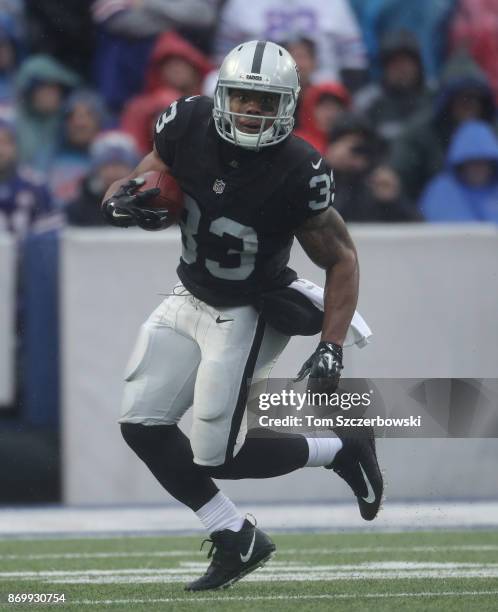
258,57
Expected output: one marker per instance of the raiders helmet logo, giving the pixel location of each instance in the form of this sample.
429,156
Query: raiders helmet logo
250,76
219,186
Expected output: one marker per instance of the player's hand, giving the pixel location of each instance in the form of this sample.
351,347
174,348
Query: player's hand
324,368
127,207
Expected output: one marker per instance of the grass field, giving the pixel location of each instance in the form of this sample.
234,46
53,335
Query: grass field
319,572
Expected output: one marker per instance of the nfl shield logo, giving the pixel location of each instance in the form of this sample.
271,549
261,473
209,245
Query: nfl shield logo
219,186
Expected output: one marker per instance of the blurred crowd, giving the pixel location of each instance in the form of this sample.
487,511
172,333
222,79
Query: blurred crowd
399,97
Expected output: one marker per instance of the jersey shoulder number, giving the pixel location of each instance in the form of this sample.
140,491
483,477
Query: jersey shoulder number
321,190
312,189
172,126
313,179
174,123
175,119
168,115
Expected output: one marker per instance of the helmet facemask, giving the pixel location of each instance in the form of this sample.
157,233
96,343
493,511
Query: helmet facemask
273,128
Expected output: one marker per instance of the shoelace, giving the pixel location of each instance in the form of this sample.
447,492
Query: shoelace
215,559
195,302
182,292
213,545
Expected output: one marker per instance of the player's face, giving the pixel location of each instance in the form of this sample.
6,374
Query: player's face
254,103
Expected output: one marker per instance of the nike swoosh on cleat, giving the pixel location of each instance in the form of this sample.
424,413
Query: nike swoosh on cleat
317,165
220,320
245,558
370,498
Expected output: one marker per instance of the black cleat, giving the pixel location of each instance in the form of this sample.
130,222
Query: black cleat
236,554
356,463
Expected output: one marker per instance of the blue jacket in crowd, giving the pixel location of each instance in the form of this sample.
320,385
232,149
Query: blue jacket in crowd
426,19
24,198
448,197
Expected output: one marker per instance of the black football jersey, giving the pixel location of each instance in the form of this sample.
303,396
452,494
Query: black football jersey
242,207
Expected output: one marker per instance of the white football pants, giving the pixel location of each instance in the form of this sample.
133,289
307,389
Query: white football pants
191,354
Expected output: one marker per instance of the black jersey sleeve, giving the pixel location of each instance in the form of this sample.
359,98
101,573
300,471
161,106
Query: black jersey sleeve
172,124
311,190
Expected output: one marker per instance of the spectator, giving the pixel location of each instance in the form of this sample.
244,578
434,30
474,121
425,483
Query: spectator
13,18
138,18
13,9
426,19
419,153
24,198
42,84
467,189
113,156
126,33
365,189
331,26
303,50
475,27
322,105
140,115
10,53
176,64
401,92
84,117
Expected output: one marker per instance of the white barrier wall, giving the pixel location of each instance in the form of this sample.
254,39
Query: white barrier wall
430,295
7,317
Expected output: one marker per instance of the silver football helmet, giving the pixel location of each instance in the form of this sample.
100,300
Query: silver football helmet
259,66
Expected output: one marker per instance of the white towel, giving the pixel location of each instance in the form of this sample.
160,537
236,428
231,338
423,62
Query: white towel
358,333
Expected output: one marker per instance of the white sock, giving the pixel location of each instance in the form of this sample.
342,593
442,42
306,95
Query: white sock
322,451
220,513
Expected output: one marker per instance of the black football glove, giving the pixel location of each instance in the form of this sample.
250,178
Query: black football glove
324,368
126,207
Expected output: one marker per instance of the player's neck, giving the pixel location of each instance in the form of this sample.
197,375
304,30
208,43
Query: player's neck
235,156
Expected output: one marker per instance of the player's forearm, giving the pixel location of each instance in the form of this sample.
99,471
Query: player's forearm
326,240
341,297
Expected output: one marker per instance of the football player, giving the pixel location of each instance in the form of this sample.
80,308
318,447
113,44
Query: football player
250,186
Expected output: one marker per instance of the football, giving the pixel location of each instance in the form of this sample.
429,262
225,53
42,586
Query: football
171,196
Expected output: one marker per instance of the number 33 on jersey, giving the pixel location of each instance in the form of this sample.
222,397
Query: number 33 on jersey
242,207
